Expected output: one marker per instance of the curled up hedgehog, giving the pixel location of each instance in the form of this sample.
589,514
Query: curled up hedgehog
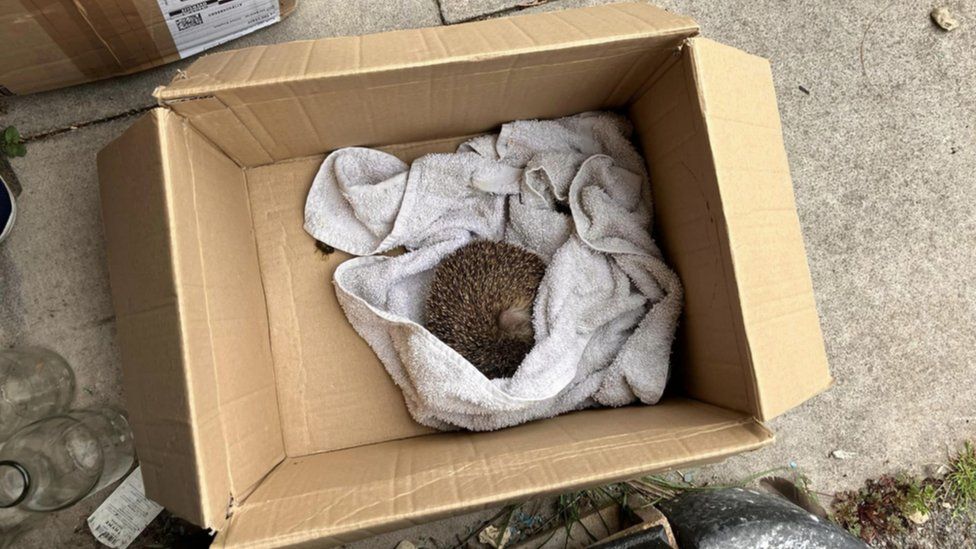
480,303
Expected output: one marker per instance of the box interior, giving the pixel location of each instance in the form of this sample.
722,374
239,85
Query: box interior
286,428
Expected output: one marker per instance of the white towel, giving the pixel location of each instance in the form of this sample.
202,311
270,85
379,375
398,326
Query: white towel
606,310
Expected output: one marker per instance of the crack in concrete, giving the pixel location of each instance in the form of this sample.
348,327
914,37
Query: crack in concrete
500,13
440,12
79,125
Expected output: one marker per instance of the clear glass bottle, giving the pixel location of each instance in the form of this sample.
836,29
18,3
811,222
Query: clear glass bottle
34,383
15,523
55,462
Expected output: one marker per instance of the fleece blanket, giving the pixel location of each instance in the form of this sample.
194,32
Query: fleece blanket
573,191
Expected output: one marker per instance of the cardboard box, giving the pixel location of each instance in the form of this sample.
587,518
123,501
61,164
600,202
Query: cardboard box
50,44
259,412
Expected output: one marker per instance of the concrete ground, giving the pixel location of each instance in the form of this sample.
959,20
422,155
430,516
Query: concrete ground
883,150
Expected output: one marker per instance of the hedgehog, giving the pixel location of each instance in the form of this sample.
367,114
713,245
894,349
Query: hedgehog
480,303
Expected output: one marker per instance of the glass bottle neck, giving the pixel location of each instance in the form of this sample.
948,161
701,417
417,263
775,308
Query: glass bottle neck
14,483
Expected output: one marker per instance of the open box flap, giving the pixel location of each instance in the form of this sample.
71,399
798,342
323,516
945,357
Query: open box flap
178,466
191,318
271,103
781,328
338,497
327,57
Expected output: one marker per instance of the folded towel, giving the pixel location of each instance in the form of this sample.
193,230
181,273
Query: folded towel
607,307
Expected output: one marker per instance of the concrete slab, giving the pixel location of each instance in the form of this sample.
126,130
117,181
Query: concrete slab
882,150
312,19
54,285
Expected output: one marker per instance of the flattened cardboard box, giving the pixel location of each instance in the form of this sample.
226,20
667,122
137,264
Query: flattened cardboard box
259,412
50,44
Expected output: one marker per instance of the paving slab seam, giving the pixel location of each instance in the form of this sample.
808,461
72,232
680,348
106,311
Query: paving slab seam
79,125
491,15
440,12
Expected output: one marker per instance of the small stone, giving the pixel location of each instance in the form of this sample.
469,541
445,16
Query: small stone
406,544
843,454
490,535
944,19
918,517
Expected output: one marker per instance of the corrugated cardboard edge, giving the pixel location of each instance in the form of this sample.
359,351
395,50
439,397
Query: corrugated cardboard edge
781,329
178,471
411,482
209,75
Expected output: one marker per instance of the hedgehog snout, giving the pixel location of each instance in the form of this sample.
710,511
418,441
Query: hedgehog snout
515,322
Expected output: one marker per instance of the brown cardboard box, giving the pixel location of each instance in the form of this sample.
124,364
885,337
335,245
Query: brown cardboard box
259,412
51,44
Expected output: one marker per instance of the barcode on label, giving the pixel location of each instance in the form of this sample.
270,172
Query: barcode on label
189,22
107,537
124,514
198,25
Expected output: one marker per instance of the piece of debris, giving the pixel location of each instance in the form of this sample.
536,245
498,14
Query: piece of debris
650,517
406,544
804,90
532,3
596,524
493,537
918,517
119,520
843,454
324,248
524,521
944,19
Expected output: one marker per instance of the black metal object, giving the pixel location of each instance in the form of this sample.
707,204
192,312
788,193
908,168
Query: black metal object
736,518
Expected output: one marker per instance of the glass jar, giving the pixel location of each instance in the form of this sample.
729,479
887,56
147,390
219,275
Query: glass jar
15,523
55,462
34,383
